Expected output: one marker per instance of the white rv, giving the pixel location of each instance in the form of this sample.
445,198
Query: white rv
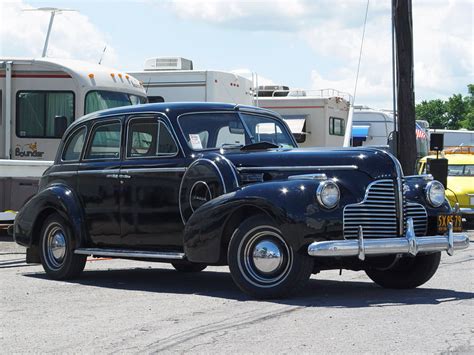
452,137
38,99
173,79
316,118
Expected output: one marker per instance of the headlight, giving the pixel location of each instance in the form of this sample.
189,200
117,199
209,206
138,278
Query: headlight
328,194
435,193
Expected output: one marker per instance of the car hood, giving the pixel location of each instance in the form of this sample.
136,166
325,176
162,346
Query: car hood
376,163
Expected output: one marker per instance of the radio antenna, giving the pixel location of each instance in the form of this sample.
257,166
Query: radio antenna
102,55
53,11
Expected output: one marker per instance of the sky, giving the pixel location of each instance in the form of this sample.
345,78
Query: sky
305,44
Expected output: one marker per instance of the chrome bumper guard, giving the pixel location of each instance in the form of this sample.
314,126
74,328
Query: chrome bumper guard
410,244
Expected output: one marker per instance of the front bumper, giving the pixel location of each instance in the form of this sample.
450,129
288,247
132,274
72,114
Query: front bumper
467,211
410,244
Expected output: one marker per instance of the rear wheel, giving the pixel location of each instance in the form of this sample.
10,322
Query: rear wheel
263,264
56,250
408,272
189,267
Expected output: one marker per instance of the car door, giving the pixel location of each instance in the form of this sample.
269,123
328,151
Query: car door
99,184
154,167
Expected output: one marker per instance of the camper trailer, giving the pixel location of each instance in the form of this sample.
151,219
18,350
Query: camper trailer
372,127
174,79
39,98
317,118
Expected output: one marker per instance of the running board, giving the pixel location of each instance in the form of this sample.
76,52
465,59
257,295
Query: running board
124,253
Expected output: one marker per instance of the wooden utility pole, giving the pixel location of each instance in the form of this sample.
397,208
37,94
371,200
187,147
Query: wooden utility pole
406,137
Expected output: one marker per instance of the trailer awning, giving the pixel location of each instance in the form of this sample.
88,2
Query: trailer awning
360,132
296,123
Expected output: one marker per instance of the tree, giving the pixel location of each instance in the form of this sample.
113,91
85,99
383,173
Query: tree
454,113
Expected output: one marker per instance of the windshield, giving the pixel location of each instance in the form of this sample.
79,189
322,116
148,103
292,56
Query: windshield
225,130
101,100
461,170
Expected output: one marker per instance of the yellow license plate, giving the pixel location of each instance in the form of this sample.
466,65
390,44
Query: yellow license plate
445,219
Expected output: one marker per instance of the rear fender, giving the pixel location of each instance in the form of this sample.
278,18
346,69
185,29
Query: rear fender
57,198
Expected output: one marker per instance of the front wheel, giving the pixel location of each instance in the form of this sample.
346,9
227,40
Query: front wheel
263,264
408,272
57,250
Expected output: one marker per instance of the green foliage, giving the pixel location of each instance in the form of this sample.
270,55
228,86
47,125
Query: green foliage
457,112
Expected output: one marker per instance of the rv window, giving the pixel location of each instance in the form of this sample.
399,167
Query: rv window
74,145
336,126
36,111
155,99
101,100
105,142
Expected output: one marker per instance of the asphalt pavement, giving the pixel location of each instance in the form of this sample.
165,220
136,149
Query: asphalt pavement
141,307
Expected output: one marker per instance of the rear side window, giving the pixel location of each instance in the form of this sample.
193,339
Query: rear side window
149,138
105,142
74,145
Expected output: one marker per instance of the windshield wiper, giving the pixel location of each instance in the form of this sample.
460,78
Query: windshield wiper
259,145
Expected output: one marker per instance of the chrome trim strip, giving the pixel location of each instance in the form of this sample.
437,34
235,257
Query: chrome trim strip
153,170
63,173
427,177
308,177
96,172
297,168
122,253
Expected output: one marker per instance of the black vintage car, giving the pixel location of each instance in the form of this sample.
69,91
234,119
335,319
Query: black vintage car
198,184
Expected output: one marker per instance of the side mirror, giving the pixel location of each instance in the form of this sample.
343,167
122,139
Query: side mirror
60,125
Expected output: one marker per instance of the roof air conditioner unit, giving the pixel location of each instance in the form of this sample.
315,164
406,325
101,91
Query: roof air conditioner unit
168,63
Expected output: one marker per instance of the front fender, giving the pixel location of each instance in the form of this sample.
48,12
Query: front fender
291,204
58,198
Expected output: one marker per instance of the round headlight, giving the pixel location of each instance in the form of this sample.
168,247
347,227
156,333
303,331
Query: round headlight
328,194
435,193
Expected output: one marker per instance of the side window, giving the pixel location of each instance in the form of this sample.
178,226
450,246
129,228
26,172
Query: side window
149,138
336,126
74,145
36,111
105,142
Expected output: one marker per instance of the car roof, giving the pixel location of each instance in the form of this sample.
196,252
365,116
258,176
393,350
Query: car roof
171,109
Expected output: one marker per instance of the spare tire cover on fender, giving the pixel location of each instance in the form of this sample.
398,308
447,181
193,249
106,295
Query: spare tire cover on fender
206,178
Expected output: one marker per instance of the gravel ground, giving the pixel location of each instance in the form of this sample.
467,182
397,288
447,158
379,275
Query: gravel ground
130,307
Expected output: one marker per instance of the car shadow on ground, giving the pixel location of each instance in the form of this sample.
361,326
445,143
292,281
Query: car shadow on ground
318,293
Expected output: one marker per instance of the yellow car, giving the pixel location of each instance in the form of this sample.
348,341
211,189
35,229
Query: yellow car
460,181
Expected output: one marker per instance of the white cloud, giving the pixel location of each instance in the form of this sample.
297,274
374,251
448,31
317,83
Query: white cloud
443,40
73,35
247,73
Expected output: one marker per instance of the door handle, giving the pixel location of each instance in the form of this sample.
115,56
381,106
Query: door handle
112,176
124,176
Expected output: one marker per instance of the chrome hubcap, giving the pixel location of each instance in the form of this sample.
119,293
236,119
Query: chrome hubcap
267,256
55,246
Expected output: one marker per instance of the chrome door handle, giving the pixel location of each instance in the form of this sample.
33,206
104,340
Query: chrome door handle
112,176
124,176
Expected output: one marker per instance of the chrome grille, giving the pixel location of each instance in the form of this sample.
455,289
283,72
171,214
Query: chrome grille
419,215
377,213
